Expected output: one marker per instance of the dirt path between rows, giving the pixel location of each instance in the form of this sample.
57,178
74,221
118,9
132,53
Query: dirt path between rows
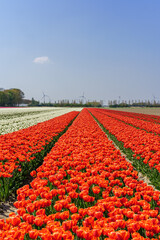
6,208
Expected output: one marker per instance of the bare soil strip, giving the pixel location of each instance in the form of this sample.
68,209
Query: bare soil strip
6,208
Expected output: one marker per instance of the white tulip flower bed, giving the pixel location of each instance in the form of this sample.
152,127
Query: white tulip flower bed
13,119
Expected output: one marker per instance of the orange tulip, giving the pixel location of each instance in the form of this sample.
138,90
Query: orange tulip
38,221
58,207
33,234
73,209
64,215
96,190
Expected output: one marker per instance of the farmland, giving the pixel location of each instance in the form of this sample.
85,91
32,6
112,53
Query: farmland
82,186
13,119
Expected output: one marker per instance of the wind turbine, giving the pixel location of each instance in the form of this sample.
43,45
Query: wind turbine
82,97
44,96
154,98
119,100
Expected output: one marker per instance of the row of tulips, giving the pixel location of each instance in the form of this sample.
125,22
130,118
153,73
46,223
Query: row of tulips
134,121
24,150
13,119
141,116
144,146
84,189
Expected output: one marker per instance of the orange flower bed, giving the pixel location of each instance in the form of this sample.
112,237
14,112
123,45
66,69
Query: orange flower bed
146,123
85,189
21,147
142,143
141,116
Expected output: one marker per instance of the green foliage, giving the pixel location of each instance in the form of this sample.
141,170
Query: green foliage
11,97
74,104
64,104
34,103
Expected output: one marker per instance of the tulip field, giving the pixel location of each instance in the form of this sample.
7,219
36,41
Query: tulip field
138,133
23,150
82,186
13,119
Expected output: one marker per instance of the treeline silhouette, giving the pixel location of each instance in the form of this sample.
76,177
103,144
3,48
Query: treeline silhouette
11,97
66,103
15,97
129,103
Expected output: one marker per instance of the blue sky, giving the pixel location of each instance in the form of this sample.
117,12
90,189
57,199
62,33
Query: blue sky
104,48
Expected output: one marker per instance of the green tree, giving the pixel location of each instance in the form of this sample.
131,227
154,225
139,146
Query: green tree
11,97
34,103
3,99
18,96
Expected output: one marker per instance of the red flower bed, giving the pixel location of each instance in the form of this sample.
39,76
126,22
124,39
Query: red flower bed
141,116
142,143
85,189
133,120
21,147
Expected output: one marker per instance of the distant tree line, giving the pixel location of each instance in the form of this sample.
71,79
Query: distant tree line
15,97
66,103
80,104
133,103
11,97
